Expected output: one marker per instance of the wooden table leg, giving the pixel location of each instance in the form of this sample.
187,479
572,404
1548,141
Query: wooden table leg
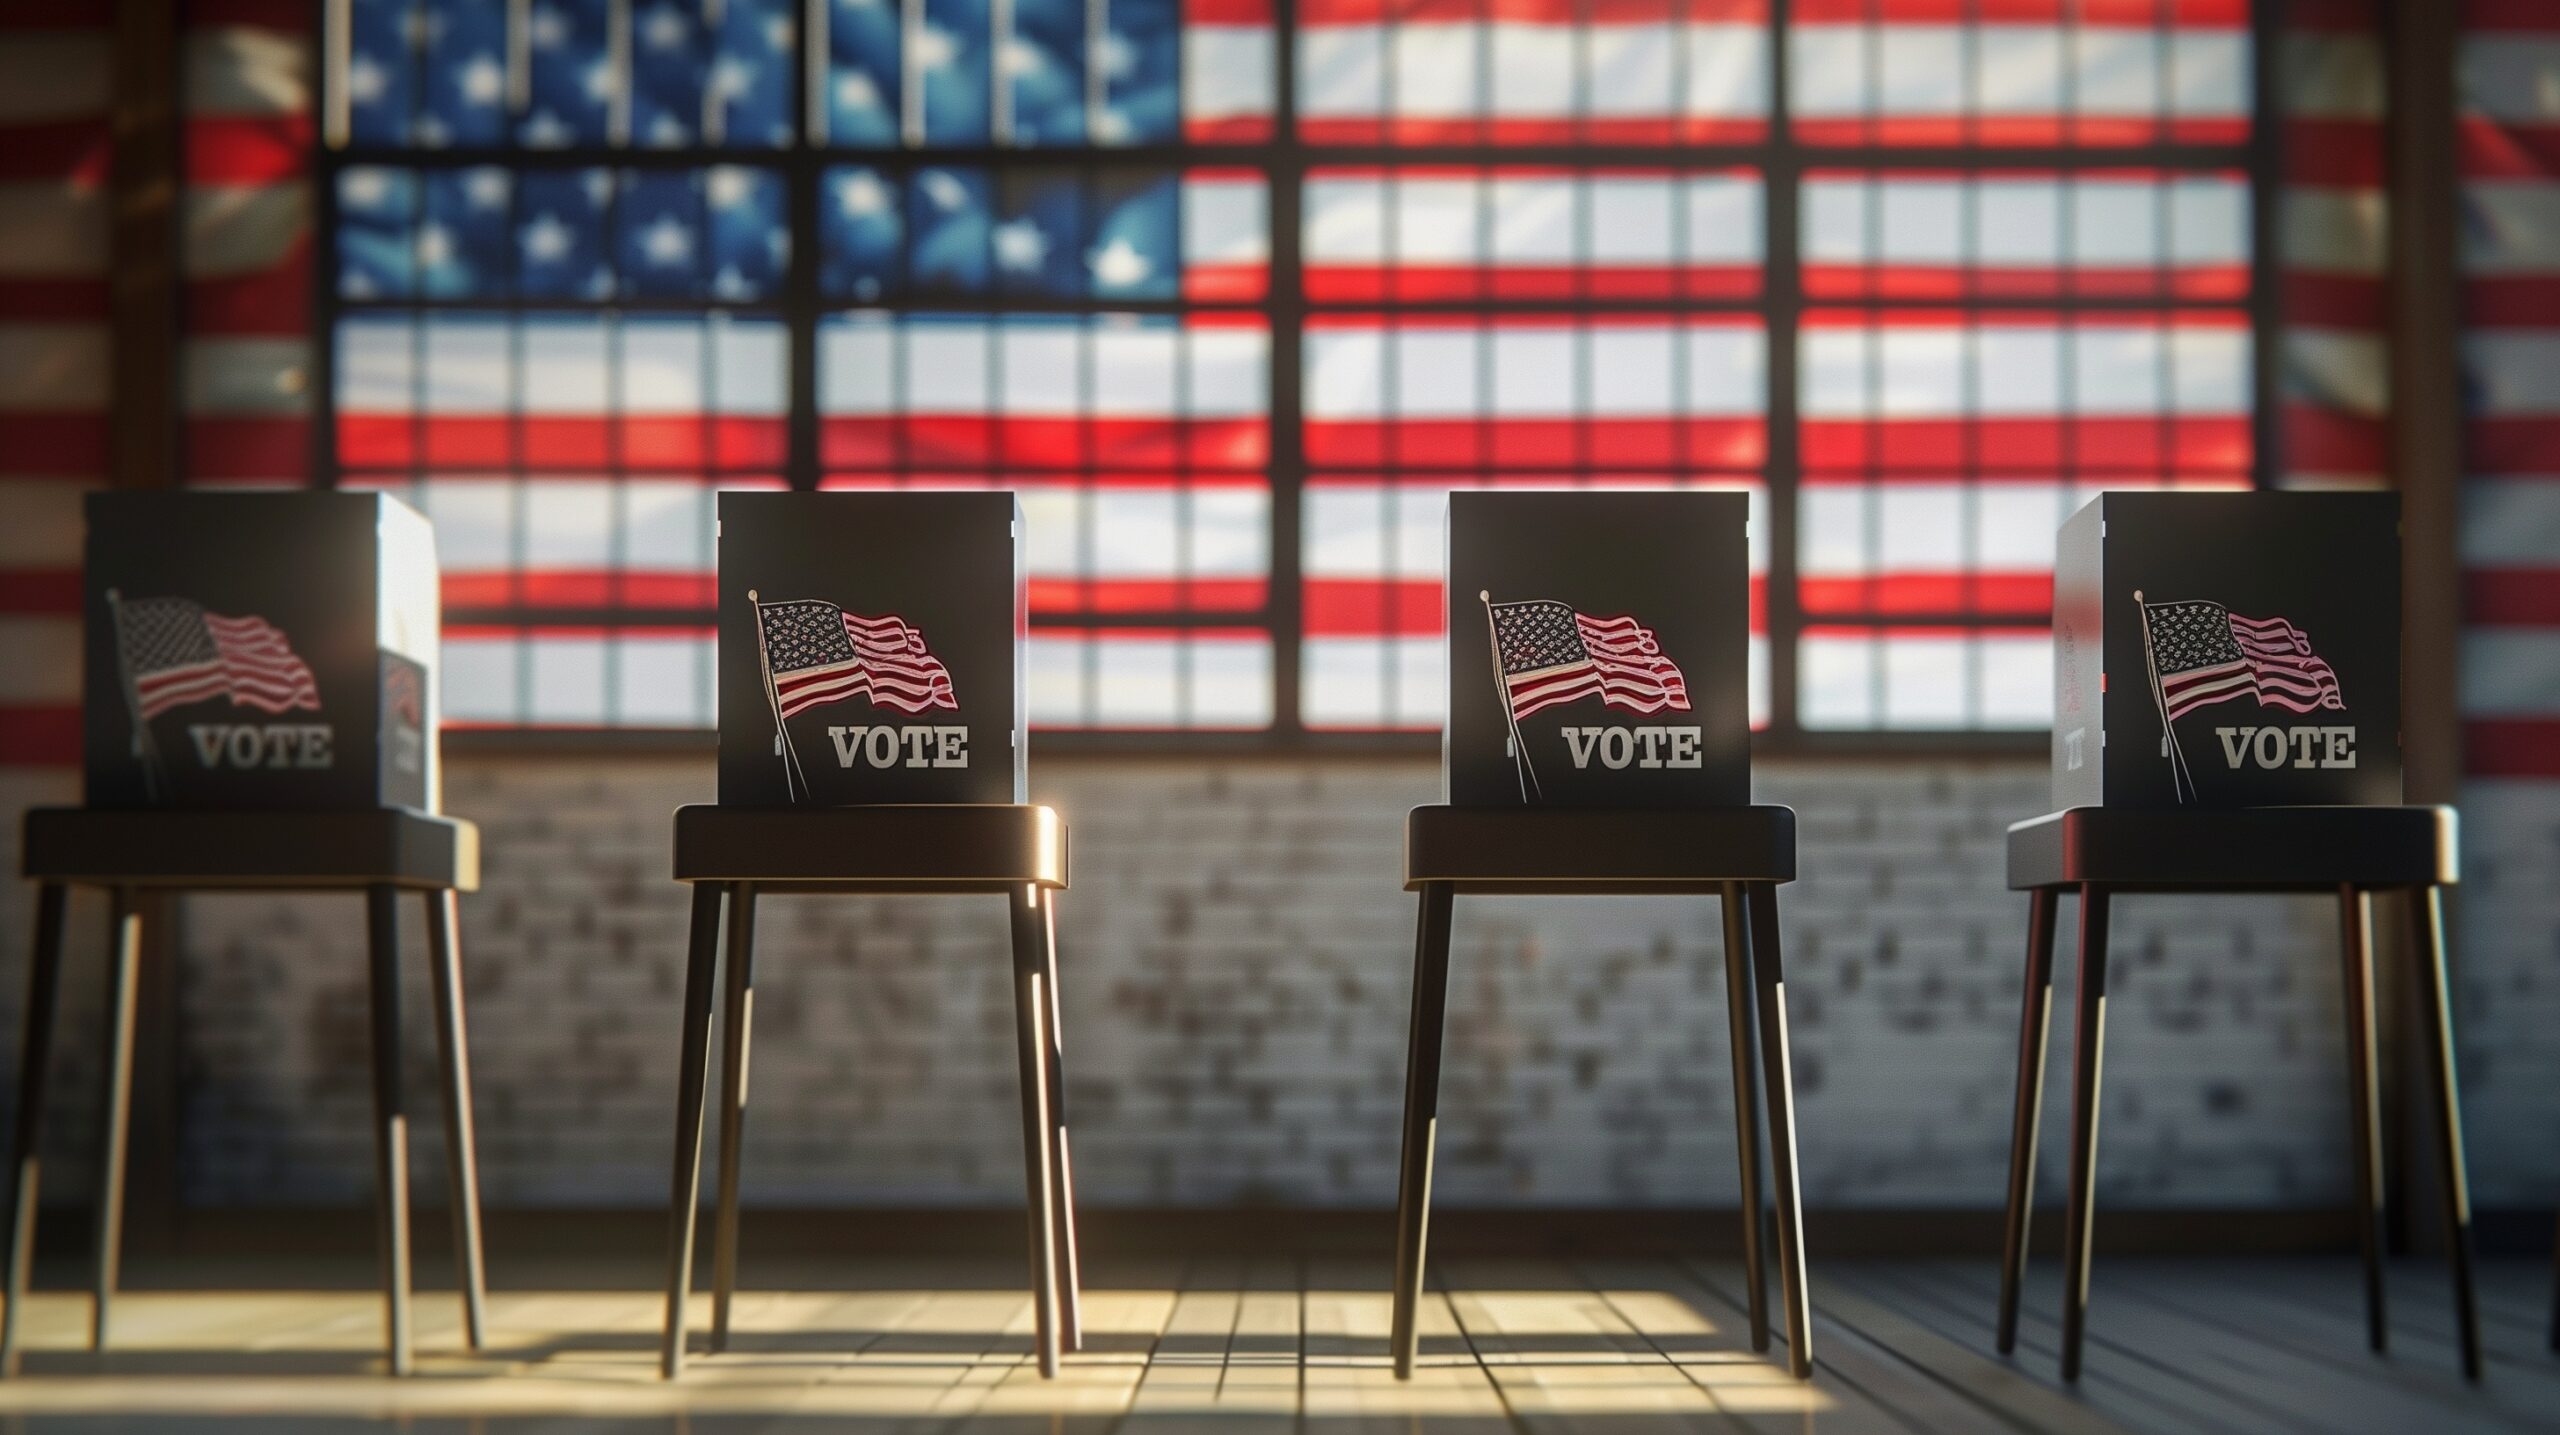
2088,1062
1030,1018
115,1126
35,1060
1062,1193
2435,1027
702,958
461,1143
2364,1099
390,1120
1421,1118
2035,1020
739,1004
1769,971
1738,1000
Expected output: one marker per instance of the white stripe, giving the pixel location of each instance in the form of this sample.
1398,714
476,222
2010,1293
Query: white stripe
2333,76
2513,372
248,376
2511,672
47,76
2510,227
1345,219
1226,71
2339,369
41,523
1225,222
39,659
2338,231
2509,75
237,70
2511,522
50,230
53,367
242,228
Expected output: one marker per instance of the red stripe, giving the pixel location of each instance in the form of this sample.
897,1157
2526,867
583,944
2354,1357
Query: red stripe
52,299
2138,444
1226,12
2319,440
2506,149
2511,747
2512,597
1224,283
2328,153
40,590
2317,300
974,441
1148,595
293,17
246,149
274,301
53,444
75,151
2512,445
2005,595
1948,281
1228,129
579,588
1521,131
644,442
1727,442
1326,282
1993,132
230,449
2533,16
2511,301
39,736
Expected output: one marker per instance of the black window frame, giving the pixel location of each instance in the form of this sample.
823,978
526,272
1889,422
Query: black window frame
1780,160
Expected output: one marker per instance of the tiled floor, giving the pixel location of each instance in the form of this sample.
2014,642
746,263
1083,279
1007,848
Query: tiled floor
1619,1347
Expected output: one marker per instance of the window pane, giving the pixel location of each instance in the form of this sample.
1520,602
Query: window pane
1632,72
2042,72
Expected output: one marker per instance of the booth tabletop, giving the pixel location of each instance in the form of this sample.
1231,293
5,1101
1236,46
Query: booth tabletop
2259,849
886,847
212,849
1564,851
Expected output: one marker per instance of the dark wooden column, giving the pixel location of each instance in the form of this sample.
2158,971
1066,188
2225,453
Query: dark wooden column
2423,308
2426,395
144,304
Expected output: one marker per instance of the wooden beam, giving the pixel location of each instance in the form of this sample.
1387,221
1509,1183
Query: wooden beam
2426,396
143,405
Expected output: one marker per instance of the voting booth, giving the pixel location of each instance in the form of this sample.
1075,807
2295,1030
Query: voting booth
259,651
2227,720
259,714
2220,650
1598,744
871,648
872,741
1599,649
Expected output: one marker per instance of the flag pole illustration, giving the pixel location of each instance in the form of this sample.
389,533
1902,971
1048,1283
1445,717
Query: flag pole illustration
816,653
794,779
145,750
1522,767
171,652
2201,653
2181,781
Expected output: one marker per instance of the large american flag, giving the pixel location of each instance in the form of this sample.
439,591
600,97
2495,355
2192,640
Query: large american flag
1551,653
818,653
2203,653
176,653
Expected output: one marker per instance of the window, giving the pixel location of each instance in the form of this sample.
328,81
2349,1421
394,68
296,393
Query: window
1233,294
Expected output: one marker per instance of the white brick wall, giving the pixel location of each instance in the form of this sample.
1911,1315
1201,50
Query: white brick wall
1237,961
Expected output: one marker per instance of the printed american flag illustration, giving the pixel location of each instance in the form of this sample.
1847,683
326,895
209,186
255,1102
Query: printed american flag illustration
817,653
2203,653
177,653
1553,654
